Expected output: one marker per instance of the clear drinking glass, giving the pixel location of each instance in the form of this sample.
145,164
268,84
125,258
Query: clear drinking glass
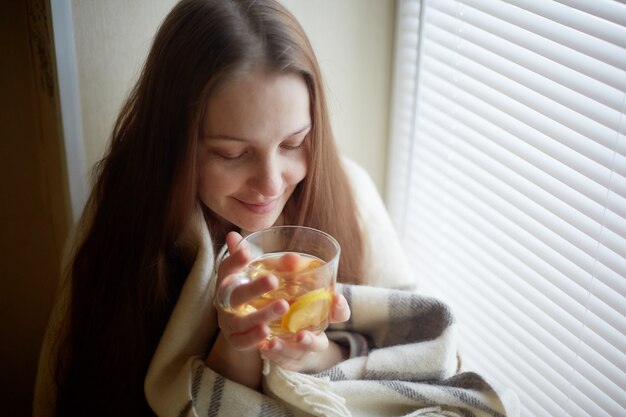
305,262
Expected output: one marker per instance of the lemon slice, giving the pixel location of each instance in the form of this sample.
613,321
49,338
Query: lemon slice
308,310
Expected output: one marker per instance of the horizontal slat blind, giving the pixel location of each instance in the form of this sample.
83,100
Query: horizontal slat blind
507,183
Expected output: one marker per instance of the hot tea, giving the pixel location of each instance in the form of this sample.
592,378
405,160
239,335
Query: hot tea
304,283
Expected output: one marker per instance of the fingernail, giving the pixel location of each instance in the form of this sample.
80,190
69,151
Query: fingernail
272,280
343,302
306,339
279,308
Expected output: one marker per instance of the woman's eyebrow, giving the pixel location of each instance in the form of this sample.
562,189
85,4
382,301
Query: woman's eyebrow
240,139
299,131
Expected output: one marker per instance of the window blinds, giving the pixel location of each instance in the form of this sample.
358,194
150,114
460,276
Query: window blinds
507,182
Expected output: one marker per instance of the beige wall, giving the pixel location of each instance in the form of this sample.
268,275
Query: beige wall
34,210
112,40
352,39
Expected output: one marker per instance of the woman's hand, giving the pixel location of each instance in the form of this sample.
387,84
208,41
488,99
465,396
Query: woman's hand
245,332
234,354
309,352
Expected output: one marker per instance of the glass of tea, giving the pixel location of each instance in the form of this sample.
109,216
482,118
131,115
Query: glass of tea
305,262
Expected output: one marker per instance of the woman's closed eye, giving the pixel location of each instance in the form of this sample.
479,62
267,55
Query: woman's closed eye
293,145
230,155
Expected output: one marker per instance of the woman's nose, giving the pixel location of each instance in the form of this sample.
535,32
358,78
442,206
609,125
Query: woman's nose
267,178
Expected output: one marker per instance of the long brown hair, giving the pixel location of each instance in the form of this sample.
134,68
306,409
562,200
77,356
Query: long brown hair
126,274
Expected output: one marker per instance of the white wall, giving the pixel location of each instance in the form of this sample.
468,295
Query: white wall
352,39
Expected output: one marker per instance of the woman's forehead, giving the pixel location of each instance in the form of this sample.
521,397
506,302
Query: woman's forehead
258,105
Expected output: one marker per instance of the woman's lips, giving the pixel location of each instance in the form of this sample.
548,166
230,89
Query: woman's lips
259,208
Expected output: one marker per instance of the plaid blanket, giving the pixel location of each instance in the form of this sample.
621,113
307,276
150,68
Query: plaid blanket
410,370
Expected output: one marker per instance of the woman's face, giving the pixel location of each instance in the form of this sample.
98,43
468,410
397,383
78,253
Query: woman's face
254,153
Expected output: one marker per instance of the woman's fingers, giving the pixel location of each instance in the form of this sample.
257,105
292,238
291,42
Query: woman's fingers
308,341
340,309
237,260
305,342
245,331
250,330
298,355
249,339
242,323
232,240
289,262
252,290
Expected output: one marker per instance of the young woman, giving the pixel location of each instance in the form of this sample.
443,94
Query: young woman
226,132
